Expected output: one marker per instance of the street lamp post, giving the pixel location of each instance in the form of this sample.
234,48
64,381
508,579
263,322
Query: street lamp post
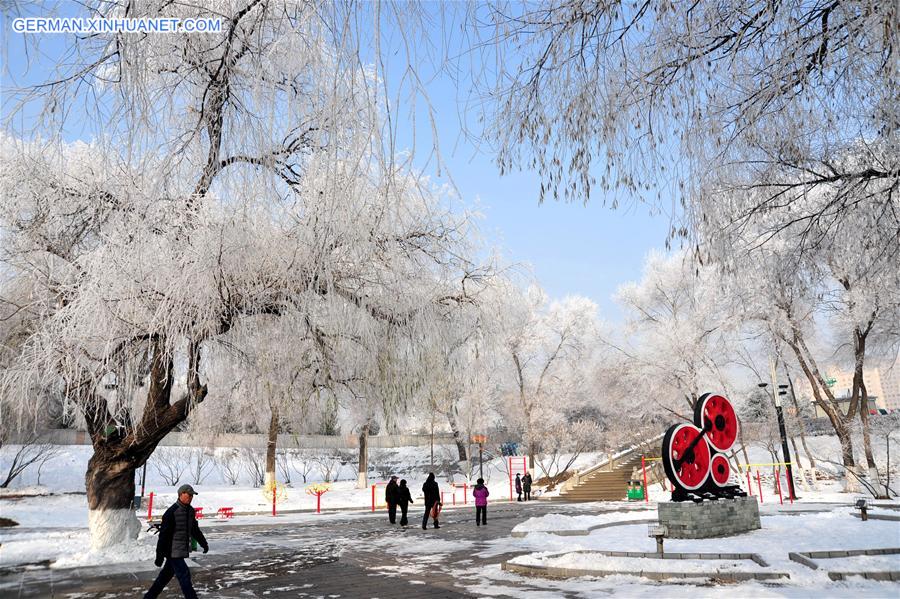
777,392
480,439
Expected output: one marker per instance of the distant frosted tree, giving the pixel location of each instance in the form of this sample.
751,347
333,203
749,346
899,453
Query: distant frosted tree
546,347
679,335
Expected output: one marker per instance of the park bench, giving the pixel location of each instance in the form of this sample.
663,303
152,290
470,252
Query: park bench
226,512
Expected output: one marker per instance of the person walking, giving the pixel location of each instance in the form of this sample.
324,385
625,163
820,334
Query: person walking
403,500
519,486
432,498
526,486
178,527
390,497
481,494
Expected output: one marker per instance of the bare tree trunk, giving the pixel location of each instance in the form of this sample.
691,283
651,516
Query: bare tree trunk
457,435
743,444
830,407
271,447
798,467
119,449
867,440
801,426
362,479
110,492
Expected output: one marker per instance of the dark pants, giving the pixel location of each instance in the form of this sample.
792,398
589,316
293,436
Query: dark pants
427,514
519,491
173,566
480,514
392,512
403,520
527,494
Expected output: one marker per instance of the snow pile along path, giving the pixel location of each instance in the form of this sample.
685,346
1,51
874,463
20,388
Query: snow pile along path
560,522
598,561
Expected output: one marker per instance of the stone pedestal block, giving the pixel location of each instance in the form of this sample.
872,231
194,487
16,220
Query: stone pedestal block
721,518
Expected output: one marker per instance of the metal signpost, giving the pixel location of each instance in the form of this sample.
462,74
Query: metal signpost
481,440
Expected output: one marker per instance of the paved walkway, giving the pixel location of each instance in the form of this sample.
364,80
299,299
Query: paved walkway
352,557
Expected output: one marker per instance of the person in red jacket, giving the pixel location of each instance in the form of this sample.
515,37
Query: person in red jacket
481,494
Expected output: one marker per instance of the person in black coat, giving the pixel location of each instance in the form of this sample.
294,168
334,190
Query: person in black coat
526,486
403,500
178,527
432,497
390,497
519,486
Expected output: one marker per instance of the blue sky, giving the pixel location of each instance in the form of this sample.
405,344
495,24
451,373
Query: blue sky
571,248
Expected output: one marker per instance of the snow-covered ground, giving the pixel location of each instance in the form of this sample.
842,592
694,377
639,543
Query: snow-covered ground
562,522
53,517
833,528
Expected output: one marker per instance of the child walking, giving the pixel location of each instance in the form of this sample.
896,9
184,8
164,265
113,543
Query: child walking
481,494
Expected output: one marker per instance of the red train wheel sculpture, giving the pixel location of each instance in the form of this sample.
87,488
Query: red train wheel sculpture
715,415
720,470
693,454
686,456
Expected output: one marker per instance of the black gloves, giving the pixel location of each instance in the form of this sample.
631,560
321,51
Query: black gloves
206,549
159,561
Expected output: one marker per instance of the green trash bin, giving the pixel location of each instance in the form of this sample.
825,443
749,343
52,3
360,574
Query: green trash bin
635,491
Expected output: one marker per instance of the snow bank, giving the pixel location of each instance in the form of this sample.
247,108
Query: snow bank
598,561
560,522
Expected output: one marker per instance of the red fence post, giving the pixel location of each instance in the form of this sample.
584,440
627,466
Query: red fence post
465,493
373,495
318,503
274,495
646,488
509,461
749,484
759,484
150,508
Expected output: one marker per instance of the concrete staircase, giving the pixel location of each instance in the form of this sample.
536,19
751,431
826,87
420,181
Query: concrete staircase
608,481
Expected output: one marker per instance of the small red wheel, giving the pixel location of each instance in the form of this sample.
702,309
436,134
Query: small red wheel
686,456
715,415
720,470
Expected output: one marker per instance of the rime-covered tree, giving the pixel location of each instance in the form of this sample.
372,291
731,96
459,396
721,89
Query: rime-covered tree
847,281
659,100
678,337
547,348
230,177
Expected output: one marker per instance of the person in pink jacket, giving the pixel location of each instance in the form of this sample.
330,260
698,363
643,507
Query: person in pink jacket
481,494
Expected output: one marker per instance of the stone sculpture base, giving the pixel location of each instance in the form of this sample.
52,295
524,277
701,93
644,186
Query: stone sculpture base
721,518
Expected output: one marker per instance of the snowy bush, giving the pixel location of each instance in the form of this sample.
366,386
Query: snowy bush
170,463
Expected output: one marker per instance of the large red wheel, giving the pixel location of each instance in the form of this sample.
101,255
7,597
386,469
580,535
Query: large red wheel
715,415
686,456
720,470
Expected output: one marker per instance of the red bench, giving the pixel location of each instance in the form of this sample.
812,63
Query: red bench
226,512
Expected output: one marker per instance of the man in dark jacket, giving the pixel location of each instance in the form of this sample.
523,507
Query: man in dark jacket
179,525
519,486
526,486
390,497
403,500
432,497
